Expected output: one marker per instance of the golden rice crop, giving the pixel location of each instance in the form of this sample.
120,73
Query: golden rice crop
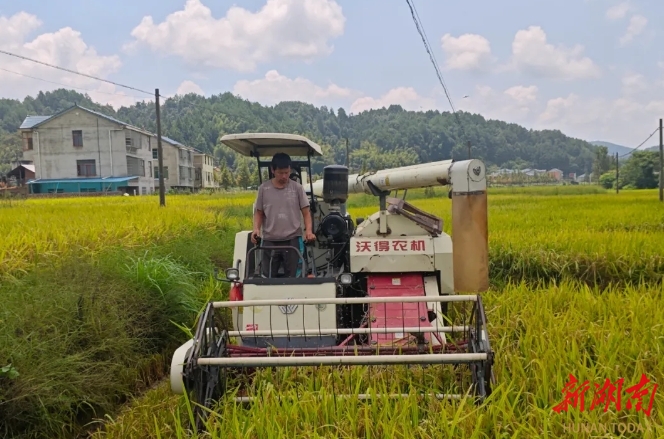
540,337
583,239
621,233
44,230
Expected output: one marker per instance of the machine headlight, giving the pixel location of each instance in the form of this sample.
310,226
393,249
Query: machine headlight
346,279
232,274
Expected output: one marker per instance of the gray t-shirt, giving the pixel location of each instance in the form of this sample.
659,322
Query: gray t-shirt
282,208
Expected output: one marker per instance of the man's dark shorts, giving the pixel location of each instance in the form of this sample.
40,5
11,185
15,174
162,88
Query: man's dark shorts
273,259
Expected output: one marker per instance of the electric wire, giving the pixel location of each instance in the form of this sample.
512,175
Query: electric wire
75,72
642,143
425,40
69,86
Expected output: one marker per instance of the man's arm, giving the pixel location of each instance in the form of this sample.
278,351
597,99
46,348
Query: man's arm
258,216
258,220
306,215
308,225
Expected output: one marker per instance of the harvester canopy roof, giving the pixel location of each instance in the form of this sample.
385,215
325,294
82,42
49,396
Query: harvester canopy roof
268,144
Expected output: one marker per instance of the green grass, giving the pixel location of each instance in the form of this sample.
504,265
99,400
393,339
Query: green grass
95,293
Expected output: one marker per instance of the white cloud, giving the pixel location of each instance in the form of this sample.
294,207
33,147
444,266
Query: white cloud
533,55
625,120
288,29
274,88
636,26
467,52
618,11
65,48
634,83
189,87
516,104
407,97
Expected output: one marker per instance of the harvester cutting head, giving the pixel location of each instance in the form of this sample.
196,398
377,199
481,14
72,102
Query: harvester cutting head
392,289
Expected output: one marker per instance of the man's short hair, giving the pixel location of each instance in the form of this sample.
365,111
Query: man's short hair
281,160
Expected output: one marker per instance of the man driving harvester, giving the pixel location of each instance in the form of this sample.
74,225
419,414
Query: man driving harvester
281,204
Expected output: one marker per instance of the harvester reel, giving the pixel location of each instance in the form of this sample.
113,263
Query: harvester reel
206,383
482,372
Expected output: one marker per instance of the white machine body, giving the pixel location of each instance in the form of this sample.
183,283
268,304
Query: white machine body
387,243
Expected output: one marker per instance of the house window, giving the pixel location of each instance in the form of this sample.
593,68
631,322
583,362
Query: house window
150,168
155,153
86,168
128,142
156,172
77,137
135,166
27,141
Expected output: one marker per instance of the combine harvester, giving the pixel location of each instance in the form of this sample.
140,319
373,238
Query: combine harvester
391,289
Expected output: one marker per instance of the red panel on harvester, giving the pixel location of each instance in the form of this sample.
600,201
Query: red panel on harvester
396,315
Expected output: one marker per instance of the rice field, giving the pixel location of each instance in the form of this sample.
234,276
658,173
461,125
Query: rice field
576,289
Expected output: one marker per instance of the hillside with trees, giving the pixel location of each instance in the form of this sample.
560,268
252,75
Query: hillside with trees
376,139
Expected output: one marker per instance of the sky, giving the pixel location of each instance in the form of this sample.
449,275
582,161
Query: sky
590,68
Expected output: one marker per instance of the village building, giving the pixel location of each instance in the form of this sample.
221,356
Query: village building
81,150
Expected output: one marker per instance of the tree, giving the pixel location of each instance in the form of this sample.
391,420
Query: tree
415,137
608,180
601,162
639,171
228,180
225,177
11,150
243,178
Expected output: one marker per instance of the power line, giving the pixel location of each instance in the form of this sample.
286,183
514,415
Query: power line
420,30
74,71
642,143
68,86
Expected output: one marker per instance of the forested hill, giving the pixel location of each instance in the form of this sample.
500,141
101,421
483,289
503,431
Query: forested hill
377,138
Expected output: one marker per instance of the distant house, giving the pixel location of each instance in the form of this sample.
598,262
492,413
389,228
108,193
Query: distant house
81,150
204,165
556,173
178,164
21,174
583,178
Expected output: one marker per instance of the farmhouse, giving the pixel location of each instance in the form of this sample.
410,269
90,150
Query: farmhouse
81,150
204,168
20,175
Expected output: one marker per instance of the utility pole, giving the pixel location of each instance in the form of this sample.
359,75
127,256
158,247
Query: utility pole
661,163
469,150
617,175
162,191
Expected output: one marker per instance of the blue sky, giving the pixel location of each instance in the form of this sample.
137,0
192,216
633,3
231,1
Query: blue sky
590,68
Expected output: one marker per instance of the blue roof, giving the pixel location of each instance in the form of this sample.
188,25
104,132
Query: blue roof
84,180
31,121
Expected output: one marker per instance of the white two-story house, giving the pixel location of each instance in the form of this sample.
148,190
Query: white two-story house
81,150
